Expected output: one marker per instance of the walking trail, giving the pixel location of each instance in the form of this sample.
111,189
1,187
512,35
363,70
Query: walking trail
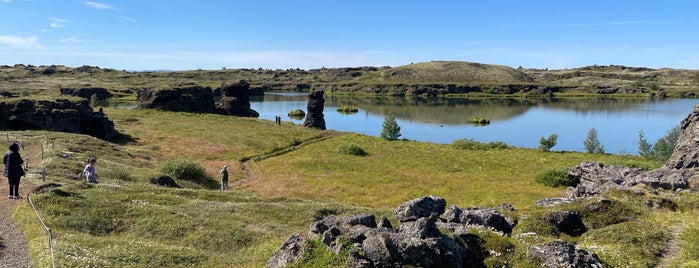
13,245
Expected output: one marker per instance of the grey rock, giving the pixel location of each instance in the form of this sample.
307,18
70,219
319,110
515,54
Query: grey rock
560,253
291,251
423,207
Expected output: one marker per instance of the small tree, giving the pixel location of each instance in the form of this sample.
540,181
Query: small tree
592,144
545,144
644,148
664,146
391,129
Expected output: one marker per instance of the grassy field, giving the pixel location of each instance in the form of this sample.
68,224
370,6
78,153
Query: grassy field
297,175
287,176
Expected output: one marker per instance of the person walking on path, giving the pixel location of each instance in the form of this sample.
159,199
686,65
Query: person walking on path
224,178
13,169
89,170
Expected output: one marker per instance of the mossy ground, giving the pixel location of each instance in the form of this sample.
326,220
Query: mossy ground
282,193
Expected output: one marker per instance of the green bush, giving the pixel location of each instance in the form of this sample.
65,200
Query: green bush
470,144
545,144
555,178
187,170
350,149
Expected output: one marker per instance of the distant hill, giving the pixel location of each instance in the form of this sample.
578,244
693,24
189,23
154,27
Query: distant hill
431,78
450,72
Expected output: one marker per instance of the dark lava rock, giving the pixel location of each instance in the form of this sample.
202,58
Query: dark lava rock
315,117
560,253
235,100
165,181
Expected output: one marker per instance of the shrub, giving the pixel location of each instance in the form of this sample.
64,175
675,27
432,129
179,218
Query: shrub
592,144
555,178
545,144
391,129
187,170
350,149
470,144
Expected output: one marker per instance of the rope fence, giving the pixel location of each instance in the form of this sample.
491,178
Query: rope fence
48,230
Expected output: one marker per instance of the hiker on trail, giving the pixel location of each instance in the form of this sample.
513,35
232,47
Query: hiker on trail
89,170
13,169
224,178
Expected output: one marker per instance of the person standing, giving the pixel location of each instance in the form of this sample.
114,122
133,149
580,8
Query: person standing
89,170
13,169
224,178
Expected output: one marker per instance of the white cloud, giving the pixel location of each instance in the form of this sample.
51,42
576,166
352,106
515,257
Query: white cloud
57,23
20,42
100,6
129,19
7,1
70,40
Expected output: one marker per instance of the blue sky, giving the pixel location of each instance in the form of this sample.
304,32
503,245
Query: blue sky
212,34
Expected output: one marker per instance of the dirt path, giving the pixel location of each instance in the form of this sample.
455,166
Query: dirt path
14,247
672,248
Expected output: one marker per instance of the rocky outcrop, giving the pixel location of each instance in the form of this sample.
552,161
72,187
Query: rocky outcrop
417,242
56,115
184,98
488,217
235,100
315,117
197,99
678,171
559,253
87,92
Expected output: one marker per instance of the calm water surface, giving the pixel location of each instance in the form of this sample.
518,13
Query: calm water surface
517,122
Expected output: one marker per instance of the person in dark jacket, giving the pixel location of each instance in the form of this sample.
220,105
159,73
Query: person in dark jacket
13,169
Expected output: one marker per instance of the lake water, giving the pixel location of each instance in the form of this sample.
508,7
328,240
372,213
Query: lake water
517,122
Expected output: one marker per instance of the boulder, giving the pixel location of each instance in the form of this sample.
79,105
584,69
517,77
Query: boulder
165,181
291,251
87,92
567,222
181,98
315,117
560,253
417,243
421,228
423,207
488,217
56,115
235,100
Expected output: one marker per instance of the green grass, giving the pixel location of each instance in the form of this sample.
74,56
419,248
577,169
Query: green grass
148,226
299,177
463,177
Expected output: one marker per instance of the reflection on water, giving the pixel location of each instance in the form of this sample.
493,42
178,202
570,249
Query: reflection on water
518,122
